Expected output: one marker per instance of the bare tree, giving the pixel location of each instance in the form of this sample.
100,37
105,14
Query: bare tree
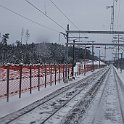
27,36
22,34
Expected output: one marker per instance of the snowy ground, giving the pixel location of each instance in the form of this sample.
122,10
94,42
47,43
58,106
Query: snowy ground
75,90
27,99
96,99
107,105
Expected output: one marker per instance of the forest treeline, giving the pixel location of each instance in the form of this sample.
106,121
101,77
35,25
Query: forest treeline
38,52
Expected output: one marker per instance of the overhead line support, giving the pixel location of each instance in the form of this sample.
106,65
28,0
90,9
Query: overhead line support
102,44
96,32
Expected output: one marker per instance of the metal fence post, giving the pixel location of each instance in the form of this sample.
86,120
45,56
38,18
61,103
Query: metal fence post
20,81
68,72
63,72
8,82
55,72
45,74
38,77
59,73
50,75
30,79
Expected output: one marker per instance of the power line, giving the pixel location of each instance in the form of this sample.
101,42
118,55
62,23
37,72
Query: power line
63,13
27,18
44,14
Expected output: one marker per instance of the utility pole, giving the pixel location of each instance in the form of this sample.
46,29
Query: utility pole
85,53
92,43
85,61
66,71
99,58
73,58
118,50
99,55
112,15
92,55
105,53
121,62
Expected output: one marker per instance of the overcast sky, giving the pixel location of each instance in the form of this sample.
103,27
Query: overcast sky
85,14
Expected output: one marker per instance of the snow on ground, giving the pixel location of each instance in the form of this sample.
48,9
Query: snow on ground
45,109
106,107
121,74
15,103
89,115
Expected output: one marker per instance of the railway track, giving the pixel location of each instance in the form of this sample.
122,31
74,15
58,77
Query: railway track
79,110
43,110
120,93
107,107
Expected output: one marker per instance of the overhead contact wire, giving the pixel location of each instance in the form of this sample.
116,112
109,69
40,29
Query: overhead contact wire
45,14
63,13
27,18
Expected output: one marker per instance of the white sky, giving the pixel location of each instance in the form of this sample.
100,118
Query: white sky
85,14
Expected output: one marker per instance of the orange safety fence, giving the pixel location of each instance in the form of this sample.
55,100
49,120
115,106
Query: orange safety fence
15,79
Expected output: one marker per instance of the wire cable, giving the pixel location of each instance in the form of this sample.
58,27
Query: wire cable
63,13
44,14
27,18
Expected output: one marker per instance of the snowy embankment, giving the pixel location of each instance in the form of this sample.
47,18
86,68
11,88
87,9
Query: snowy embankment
15,103
97,99
43,110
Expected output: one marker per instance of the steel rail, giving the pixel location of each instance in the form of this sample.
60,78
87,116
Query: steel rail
84,103
117,80
11,118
